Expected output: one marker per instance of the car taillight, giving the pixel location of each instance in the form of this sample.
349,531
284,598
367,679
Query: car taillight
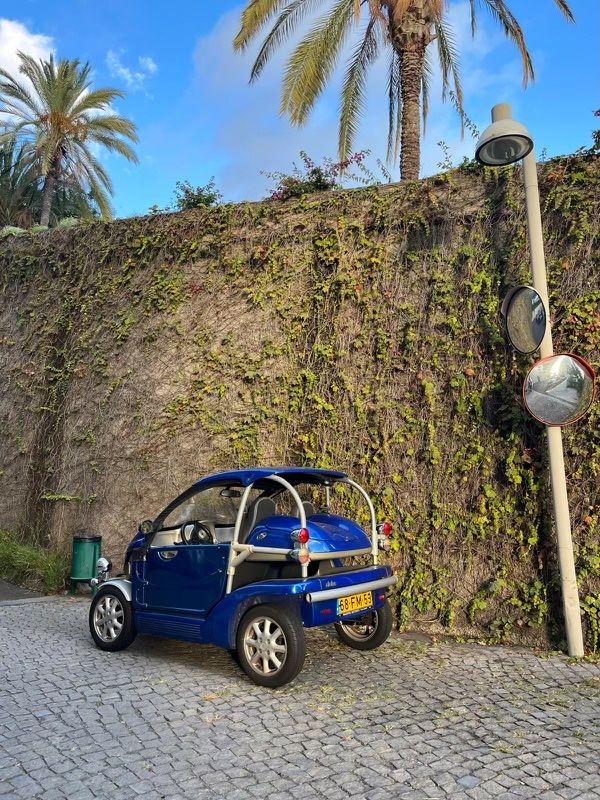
303,536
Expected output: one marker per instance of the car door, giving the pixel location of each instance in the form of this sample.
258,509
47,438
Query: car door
180,577
185,579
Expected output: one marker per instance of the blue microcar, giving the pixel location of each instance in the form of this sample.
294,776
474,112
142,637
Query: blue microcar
246,560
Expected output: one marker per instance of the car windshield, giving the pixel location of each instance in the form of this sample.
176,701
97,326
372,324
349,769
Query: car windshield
214,504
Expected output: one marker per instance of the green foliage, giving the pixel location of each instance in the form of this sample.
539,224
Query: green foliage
357,330
311,177
10,230
31,566
187,196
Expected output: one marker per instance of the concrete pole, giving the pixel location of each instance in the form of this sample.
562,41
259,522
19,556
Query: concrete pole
570,593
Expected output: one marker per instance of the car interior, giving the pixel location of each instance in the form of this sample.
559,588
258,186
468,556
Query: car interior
194,522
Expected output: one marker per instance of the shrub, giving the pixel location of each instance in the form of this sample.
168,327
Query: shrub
10,230
187,196
29,566
311,177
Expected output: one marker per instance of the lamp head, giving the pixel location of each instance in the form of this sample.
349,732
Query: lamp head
504,141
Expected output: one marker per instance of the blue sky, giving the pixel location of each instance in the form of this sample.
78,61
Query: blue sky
187,90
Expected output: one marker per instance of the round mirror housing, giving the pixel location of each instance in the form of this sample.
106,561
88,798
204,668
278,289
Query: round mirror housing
146,527
524,318
504,141
559,390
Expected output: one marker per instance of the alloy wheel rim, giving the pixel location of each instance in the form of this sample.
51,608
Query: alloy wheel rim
265,646
108,618
361,629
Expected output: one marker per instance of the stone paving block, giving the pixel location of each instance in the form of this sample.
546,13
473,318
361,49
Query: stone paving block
169,720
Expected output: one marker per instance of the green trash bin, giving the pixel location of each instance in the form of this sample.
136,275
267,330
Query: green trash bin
86,551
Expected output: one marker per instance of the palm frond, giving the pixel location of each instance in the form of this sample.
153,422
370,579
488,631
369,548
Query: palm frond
98,99
115,145
473,15
100,196
500,11
353,90
564,7
313,61
256,14
394,107
448,56
289,18
111,124
33,70
17,93
425,87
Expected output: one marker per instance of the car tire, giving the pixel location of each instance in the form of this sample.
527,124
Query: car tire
234,655
270,645
367,632
111,620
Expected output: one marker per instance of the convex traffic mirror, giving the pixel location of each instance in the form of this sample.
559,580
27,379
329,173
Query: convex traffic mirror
524,319
558,390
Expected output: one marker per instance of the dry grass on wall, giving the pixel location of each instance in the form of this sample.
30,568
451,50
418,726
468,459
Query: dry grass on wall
353,329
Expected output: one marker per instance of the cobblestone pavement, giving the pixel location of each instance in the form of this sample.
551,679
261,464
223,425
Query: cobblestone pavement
170,720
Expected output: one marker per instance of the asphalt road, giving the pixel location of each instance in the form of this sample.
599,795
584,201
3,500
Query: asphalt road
170,720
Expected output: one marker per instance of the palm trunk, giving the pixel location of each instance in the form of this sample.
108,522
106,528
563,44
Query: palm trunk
411,70
409,39
49,189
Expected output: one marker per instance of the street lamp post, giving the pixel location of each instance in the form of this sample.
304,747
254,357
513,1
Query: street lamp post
504,142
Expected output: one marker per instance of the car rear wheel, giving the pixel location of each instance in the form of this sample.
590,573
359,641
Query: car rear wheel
111,620
366,632
270,645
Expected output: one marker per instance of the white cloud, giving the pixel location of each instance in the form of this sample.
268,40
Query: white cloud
148,64
14,36
134,78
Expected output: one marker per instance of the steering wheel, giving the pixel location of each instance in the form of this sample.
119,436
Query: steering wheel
196,533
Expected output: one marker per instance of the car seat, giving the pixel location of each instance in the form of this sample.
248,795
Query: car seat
262,507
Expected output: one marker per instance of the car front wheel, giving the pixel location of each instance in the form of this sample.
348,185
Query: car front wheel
270,645
366,632
111,620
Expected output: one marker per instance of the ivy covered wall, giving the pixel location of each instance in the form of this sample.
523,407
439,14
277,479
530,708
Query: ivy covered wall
354,329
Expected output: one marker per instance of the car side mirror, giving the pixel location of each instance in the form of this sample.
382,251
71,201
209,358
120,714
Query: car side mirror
146,527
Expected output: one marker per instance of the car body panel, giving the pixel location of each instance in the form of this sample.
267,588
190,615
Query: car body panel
185,579
328,533
219,626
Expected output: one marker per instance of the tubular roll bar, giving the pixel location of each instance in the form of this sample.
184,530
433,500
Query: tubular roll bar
374,547
238,552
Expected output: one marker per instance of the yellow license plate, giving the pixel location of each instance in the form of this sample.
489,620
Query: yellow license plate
354,602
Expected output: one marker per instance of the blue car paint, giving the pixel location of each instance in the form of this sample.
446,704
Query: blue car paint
328,533
244,477
185,579
220,625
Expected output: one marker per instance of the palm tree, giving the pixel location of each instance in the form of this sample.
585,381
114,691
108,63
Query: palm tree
17,185
61,118
405,27
21,191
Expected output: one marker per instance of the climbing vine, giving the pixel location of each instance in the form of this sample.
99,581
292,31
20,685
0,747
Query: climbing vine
356,330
